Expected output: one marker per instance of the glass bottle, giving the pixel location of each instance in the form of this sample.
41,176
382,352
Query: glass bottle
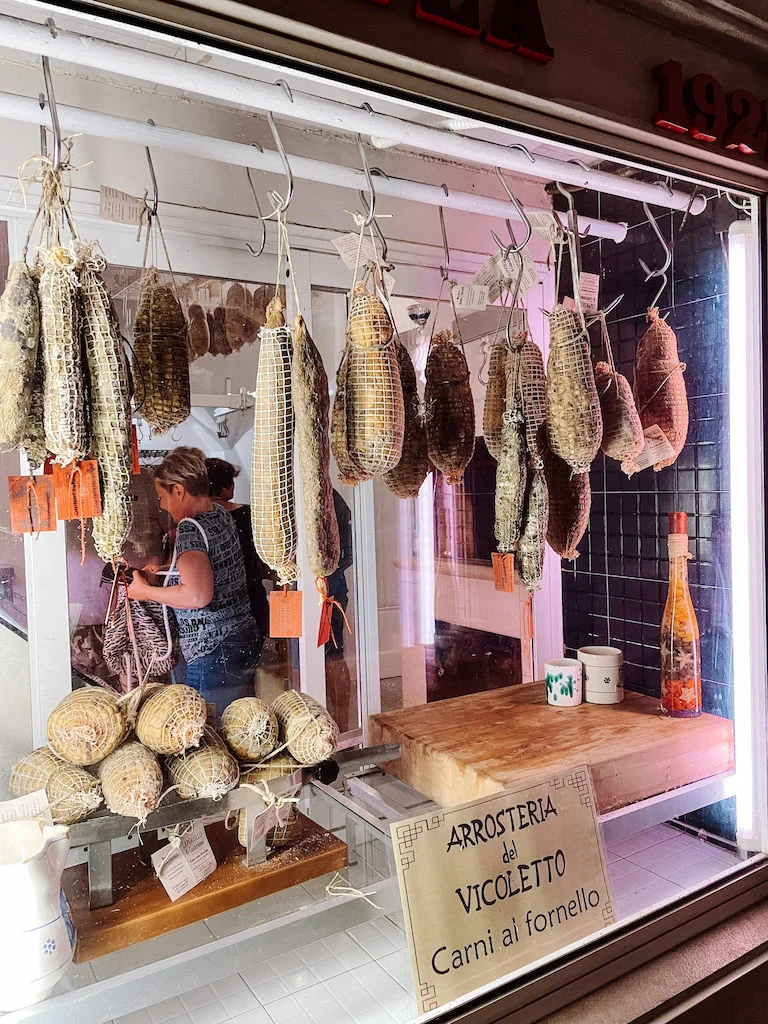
680,647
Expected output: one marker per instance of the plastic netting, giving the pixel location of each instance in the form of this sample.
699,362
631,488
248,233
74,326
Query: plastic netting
63,392
33,442
73,793
132,781
574,422
19,337
405,480
570,499
350,473
511,476
86,726
375,412
276,768
495,397
533,391
660,386
161,370
449,408
250,728
171,719
307,729
110,405
273,504
311,403
529,557
210,771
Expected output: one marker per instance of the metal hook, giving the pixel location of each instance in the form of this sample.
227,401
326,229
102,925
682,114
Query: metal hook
370,204
262,245
446,250
573,229
659,271
513,247
605,312
155,195
286,88
51,100
279,203
521,147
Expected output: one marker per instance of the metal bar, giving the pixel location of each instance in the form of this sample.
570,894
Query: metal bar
100,874
111,126
657,809
353,760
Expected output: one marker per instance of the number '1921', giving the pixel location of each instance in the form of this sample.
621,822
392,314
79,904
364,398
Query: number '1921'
701,108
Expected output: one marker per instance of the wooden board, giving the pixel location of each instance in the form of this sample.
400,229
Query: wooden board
461,749
142,908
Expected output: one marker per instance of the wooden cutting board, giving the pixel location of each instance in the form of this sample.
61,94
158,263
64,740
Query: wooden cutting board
461,749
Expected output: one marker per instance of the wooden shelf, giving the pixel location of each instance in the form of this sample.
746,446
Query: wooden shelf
142,908
461,749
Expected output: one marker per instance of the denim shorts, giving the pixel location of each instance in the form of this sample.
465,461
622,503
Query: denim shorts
229,671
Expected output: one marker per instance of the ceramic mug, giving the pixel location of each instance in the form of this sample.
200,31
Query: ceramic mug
563,677
602,674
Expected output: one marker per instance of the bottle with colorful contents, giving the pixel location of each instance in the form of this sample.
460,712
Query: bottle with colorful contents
680,647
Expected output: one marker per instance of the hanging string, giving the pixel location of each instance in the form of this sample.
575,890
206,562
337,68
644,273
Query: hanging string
321,584
343,888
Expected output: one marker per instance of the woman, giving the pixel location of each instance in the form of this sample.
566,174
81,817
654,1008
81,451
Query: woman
206,584
221,487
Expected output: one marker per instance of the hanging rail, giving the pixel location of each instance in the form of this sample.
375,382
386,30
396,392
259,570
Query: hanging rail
111,126
243,92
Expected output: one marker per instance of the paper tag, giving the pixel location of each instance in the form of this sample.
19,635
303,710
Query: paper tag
657,448
569,303
347,247
546,225
135,466
33,504
119,206
510,268
324,630
78,495
385,286
33,805
488,276
470,296
503,572
589,287
263,823
285,608
180,870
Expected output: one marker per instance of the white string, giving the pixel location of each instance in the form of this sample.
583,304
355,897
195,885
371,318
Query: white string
343,888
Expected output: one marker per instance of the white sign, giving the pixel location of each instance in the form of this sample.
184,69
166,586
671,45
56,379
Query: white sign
33,805
119,206
497,883
470,296
546,225
657,449
182,868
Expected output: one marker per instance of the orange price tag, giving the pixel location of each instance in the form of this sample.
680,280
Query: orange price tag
135,467
78,495
503,572
33,504
324,630
285,607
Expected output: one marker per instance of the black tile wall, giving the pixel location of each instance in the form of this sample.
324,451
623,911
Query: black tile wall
615,591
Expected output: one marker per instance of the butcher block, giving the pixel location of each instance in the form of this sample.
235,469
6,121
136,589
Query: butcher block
457,750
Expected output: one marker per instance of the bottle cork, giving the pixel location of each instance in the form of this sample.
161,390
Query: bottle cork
677,540
678,522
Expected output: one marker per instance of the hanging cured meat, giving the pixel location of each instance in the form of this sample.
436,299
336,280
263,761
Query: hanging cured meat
660,386
450,408
406,478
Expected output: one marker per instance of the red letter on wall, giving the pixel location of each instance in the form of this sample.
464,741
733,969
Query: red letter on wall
517,25
463,18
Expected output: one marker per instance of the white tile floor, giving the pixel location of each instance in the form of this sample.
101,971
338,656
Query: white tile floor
364,975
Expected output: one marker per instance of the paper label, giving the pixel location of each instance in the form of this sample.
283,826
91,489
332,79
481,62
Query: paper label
488,276
324,629
347,247
285,607
657,448
546,225
569,303
263,823
589,287
32,504
119,206
33,805
78,495
135,465
503,572
510,268
385,285
470,296
180,870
